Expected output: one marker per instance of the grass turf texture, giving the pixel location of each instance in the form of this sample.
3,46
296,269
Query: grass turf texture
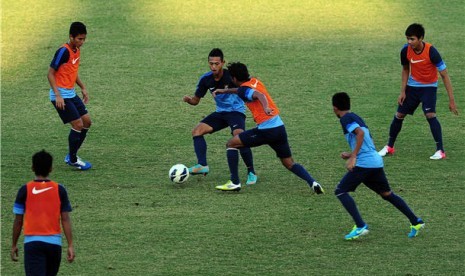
141,57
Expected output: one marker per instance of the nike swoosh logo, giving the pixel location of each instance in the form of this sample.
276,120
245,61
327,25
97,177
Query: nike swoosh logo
427,109
212,88
75,60
416,61
255,84
36,191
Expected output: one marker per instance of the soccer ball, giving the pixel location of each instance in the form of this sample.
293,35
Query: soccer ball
179,173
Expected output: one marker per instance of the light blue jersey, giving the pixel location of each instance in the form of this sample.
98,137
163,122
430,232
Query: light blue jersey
367,157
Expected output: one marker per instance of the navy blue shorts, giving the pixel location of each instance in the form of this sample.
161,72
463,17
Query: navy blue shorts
41,258
275,137
416,95
373,178
74,109
219,120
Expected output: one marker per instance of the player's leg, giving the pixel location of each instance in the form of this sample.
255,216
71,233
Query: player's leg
232,155
85,118
378,182
410,104
34,258
277,140
200,145
53,259
236,121
349,183
429,109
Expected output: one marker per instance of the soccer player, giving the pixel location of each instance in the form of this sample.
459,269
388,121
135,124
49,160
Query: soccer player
270,128
420,65
62,76
230,111
39,206
364,165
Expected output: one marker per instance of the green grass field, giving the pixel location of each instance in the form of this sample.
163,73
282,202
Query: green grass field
141,57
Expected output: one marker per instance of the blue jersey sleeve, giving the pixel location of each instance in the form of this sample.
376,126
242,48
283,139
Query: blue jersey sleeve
65,204
436,59
245,93
202,87
61,56
20,202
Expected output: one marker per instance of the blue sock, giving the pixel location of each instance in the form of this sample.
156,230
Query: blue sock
74,140
400,204
83,136
394,130
233,159
436,130
246,154
301,172
349,204
200,148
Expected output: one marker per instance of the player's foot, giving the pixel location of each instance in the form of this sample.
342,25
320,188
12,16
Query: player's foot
316,187
414,229
67,158
357,232
386,150
81,165
438,155
199,169
229,186
251,179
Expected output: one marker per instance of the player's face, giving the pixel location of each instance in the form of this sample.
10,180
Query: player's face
415,42
77,41
216,65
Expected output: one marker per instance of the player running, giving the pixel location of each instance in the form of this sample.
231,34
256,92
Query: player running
270,128
364,165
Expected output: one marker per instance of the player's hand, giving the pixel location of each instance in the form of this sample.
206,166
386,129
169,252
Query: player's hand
14,253
218,91
186,99
60,103
401,98
453,108
350,164
85,96
70,254
345,155
269,111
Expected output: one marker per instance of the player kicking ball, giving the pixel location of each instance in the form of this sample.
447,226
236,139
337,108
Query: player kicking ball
270,129
365,166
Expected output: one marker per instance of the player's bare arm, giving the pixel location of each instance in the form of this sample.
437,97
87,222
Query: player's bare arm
264,102
59,102
85,95
191,100
224,91
448,85
17,226
405,75
66,224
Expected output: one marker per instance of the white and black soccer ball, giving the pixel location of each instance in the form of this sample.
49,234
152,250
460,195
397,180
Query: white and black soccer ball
179,173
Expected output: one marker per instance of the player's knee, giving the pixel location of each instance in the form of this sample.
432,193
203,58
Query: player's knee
430,115
338,191
400,116
385,195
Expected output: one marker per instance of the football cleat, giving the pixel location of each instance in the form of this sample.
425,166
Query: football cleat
199,169
414,229
251,179
386,150
229,186
357,232
67,158
438,155
316,187
81,165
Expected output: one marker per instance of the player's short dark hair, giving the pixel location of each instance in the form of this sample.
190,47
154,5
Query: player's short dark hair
415,29
42,163
239,71
216,52
341,100
77,28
